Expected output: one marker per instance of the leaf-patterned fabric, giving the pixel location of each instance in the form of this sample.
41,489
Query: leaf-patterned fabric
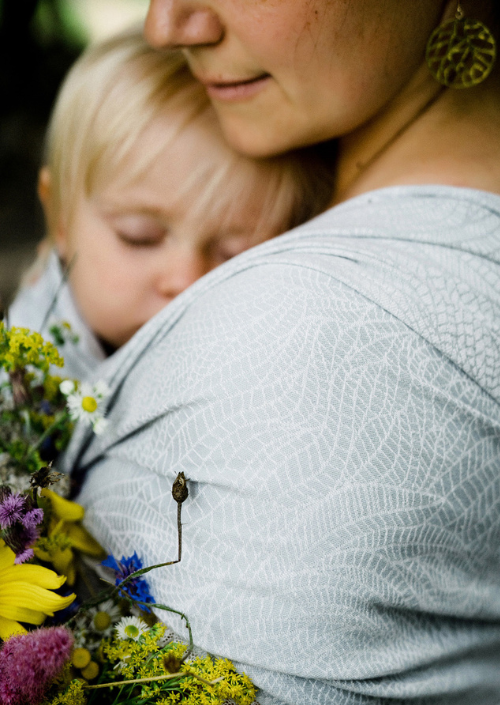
333,397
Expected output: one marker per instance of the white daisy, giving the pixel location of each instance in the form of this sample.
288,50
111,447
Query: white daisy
131,628
67,386
104,616
86,403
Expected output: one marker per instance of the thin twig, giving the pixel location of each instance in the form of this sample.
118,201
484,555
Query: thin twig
168,676
179,530
66,272
62,416
159,606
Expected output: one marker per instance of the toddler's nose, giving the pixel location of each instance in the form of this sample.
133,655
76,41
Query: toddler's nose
181,270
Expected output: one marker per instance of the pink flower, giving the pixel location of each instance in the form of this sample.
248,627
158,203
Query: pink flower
30,662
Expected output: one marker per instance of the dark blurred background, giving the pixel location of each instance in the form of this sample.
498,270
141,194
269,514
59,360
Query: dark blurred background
39,40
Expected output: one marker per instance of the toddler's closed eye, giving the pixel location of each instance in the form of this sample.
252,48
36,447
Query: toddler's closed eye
138,230
226,248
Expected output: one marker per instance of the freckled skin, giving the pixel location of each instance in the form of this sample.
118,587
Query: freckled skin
333,64
348,69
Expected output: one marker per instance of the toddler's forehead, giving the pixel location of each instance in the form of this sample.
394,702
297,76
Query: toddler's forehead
177,159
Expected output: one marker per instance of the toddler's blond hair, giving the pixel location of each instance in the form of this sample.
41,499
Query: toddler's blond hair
119,87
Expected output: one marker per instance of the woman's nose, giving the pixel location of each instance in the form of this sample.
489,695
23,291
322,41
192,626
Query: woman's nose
179,23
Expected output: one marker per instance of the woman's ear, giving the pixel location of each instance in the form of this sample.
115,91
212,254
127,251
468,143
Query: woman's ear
54,225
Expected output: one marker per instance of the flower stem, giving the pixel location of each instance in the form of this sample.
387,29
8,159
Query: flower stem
61,416
167,676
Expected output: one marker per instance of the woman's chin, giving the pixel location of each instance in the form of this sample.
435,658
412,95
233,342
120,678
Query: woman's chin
257,137
253,138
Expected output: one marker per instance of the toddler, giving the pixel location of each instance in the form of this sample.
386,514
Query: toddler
142,197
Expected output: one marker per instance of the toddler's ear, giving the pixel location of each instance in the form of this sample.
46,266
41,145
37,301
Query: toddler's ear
56,232
45,192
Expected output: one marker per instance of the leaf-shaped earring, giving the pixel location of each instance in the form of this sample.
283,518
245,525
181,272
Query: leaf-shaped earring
461,52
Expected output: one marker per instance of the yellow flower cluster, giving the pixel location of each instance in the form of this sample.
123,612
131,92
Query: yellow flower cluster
74,695
144,659
20,347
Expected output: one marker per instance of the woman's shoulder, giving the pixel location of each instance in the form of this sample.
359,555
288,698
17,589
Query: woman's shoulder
436,214
427,257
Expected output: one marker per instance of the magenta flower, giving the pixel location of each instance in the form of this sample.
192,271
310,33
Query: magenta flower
30,662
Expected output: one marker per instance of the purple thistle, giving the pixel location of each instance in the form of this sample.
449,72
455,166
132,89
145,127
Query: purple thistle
20,538
137,588
11,509
30,662
32,518
24,556
19,519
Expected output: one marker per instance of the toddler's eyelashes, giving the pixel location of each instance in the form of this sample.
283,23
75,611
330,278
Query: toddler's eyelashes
138,241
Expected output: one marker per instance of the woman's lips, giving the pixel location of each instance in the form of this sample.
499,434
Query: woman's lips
236,90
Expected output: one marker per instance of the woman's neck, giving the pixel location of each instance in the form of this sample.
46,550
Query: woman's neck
426,135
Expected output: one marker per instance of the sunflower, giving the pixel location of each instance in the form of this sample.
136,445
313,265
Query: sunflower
25,593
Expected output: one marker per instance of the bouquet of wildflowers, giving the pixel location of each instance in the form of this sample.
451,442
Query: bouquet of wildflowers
111,648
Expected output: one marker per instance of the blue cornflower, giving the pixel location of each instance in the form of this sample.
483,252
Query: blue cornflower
137,588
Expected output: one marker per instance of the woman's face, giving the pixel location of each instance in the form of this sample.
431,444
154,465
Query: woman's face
285,73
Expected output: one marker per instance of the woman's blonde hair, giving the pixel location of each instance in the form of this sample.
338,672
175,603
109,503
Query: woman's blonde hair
114,92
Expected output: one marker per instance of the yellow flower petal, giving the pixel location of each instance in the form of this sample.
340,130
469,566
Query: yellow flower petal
71,573
42,555
23,594
33,574
56,526
8,627
62,560
22,614
64,508
7,556
83,541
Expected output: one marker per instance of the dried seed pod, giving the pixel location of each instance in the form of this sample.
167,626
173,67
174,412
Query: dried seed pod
179,489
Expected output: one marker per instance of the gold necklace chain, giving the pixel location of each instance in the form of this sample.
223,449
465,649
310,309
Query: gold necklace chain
364,166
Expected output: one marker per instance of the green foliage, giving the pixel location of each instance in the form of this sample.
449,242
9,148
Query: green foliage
203,680
34,422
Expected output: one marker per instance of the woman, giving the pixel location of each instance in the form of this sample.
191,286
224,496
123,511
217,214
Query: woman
333,396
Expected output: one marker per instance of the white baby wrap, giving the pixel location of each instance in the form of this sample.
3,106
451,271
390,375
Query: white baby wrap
333,397
49,301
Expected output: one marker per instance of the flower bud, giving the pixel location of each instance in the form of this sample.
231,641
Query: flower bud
80,658
179,488
91,671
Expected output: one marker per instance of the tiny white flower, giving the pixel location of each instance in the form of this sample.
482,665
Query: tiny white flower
67,387
131,628
101,389
121,665
86,404
100,426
